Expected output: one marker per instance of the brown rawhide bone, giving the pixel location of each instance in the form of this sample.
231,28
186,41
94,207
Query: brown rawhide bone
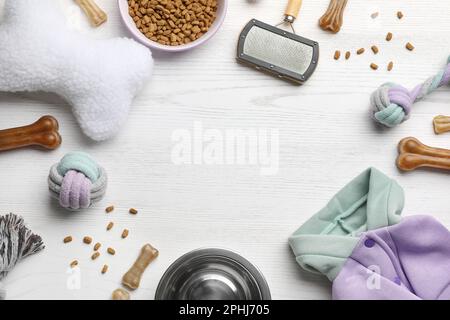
95,15
413,154
333,18
43,133
441,124
132,278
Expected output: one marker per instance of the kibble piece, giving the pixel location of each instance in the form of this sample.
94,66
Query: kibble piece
389,36
390,66
97,246
67,239
111,251
133,211
347,55
109,209
360,51
104,269
399,14
87,240
409,46
374,66
337,55
375,49
109,226
95,255
125,233
74,263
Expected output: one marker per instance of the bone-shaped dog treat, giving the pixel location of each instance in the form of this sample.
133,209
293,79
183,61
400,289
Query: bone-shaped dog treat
441,124
333,18
132,278
43,133
98,78
95,15
413,154
120,294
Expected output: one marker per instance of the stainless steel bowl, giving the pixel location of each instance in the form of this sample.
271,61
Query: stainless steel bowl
212,274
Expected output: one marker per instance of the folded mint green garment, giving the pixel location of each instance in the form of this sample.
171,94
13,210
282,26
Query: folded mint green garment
326,240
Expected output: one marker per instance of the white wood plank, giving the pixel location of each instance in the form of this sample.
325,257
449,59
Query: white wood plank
326,138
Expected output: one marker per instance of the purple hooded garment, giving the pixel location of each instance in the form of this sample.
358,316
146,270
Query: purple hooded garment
410,260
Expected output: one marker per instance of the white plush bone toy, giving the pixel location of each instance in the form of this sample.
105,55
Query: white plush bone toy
99,78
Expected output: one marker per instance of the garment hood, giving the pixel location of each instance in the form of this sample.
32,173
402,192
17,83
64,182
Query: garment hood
324,242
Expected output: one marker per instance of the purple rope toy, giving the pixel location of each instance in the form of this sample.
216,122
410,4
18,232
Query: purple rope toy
391,103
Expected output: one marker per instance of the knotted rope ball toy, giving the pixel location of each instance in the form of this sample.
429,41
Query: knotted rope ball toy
77,181
391,103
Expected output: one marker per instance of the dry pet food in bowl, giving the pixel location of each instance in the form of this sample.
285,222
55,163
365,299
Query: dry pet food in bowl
173,25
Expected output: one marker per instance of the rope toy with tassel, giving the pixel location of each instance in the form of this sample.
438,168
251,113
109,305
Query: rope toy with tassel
77,181
391,103
16,243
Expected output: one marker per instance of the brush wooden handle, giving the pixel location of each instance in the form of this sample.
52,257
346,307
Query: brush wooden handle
95,15
332,20
293,8
43,133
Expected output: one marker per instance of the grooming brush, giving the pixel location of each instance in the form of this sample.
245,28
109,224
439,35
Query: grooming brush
283,54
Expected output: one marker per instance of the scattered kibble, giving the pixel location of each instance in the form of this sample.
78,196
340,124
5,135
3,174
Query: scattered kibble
390,66
173,22
337,55
399,14
95,255
347,55
375,49
389,36
374,15
360,51
409,46
87,240
374,66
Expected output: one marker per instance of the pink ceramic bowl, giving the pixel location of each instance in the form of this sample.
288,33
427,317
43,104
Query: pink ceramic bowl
129,23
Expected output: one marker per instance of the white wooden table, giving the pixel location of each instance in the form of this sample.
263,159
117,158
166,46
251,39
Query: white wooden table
325,139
